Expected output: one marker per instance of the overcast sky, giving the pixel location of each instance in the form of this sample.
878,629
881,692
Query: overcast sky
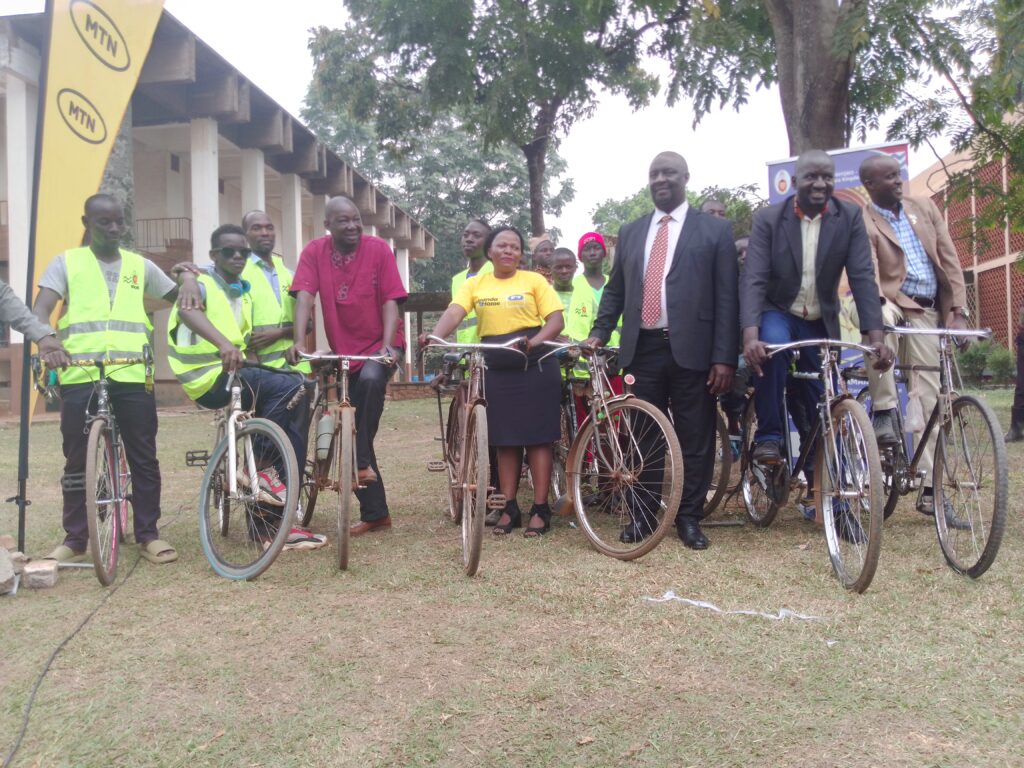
608,154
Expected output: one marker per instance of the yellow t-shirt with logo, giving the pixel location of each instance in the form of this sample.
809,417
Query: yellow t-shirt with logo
508,305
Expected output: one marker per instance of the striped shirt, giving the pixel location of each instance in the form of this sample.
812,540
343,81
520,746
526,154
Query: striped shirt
921,280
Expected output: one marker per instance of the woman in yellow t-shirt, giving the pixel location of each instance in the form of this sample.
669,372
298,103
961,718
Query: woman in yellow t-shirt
523,411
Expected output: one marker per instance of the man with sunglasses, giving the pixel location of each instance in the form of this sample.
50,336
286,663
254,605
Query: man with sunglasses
101,288
209,342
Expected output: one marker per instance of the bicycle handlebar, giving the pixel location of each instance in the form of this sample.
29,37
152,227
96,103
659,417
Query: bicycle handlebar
319,357
774,349
512,345
954,333
558,346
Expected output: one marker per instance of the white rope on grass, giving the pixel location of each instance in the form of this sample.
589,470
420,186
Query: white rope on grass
784,613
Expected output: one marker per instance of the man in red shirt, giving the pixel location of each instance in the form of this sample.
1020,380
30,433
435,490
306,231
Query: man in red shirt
360,290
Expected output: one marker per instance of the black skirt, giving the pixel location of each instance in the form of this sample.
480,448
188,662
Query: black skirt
522,406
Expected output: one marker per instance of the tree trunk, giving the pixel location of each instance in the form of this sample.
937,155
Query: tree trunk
814,80
536,153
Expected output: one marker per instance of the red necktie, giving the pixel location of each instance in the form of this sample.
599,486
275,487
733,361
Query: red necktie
650,313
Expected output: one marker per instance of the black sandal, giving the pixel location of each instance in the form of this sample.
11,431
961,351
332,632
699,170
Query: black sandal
515,519
543,511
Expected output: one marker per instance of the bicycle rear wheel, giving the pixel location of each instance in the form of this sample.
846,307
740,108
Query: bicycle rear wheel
755,481
626,474
561,496
245,549
893,460
475,473
723,465
969,479
347,480
125,507
850,494
453,446
102,502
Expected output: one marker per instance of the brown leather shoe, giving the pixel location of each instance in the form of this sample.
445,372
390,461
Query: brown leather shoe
365,526
366,475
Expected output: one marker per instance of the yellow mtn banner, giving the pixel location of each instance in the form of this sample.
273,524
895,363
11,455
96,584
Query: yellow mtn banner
96,51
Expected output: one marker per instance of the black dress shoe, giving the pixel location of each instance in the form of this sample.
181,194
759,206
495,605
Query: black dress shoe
691,534
884,425
634,533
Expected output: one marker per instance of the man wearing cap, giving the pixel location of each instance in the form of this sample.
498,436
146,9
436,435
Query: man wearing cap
543,249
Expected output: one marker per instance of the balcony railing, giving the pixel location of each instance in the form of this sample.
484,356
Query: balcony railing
158,234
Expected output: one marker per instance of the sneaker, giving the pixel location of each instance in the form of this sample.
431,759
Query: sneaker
926,506
807,510
301,538
767,453
272,490
885,428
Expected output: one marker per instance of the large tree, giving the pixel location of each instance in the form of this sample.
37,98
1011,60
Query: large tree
447,179
740,204
521,71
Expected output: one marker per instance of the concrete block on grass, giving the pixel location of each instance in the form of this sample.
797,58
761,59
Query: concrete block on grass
8,543
6,572
39,574
19,559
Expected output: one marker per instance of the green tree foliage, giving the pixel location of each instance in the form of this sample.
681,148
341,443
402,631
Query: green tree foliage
522,72
446,180
740,204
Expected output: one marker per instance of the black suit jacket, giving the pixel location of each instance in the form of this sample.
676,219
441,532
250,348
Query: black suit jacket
700,292
774,265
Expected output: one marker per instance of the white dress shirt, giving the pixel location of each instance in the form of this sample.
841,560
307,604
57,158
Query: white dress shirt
806,304
675,227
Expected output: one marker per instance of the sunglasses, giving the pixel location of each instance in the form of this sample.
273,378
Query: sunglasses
227,252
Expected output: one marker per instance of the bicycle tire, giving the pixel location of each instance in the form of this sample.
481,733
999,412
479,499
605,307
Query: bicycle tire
970,444
247,550
453,448
851,465
760,508
561,497
126,522
893,460
219,496
310,488
723,465
475,473
102,508
639,438
347,479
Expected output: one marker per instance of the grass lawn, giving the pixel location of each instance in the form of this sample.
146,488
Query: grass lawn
550,657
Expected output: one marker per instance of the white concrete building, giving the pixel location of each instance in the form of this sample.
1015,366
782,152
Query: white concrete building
207,145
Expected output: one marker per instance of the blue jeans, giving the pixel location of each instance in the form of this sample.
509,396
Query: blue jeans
769,389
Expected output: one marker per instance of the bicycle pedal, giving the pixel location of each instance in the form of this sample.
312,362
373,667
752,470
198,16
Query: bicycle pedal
197,458
436,466
72,483
496,501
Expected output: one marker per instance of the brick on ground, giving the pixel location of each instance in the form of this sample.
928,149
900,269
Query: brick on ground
6,572
39,574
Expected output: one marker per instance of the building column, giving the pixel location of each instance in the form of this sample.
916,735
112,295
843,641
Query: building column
254,187
20,150
402,257
290,241
319,215
204,162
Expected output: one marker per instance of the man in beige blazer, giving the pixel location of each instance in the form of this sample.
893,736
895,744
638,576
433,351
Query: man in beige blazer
922,286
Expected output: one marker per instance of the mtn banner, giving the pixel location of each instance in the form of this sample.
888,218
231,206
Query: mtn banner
781,173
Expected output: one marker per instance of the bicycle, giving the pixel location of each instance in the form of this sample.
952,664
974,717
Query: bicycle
847,469
969,468
624,468
464,445
244,445
721,480
335,441
572,386
107,479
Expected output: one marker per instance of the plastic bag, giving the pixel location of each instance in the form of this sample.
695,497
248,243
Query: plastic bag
914,421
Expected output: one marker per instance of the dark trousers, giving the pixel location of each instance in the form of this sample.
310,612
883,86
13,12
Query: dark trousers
1018,392
268,394
135,411
367,388
683,394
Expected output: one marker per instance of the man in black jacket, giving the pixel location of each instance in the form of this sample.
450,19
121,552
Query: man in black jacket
674,284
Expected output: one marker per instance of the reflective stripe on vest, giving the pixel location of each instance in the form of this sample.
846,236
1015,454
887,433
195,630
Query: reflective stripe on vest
93,327
270,313
467,332
197,366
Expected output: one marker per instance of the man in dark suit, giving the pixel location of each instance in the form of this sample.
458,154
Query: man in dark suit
674,284
790,291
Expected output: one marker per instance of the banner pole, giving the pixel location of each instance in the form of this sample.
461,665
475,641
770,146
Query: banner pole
26,356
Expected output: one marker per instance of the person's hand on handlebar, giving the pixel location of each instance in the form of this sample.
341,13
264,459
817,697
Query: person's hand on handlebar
424,340
755,352
590,345
52,352
388,351
294,353
884,357
231,358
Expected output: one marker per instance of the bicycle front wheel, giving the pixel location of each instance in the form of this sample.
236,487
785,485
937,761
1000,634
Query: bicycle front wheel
453,448
244,548
102,502
475,474
851,495
755,480
347,480
723,465
893,459
626,474
560,493
969,480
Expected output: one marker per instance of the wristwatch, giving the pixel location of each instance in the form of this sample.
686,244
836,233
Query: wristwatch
963,312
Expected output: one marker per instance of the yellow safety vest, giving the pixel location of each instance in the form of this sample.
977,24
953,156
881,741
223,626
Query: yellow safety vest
580,317
467,333
271,313
197,366
92,327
